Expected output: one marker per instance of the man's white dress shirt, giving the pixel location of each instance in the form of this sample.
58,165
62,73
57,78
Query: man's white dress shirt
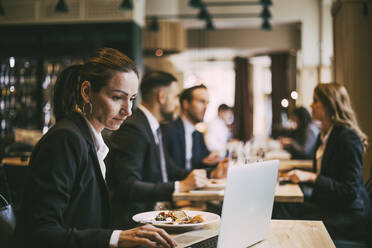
217,136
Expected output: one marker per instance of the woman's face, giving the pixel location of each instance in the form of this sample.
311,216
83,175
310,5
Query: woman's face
113,103
318,110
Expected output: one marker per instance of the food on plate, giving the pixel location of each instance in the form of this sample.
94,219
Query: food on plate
197,219
179,217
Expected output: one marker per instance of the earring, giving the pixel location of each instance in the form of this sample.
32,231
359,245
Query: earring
90,108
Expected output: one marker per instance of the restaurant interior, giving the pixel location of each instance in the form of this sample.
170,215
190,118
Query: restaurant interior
263,58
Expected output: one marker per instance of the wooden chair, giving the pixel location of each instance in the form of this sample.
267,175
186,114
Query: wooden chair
369,187
7,222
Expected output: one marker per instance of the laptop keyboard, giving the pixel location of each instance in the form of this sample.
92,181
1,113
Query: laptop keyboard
207,243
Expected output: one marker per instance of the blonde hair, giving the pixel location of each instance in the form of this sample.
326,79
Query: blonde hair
337,102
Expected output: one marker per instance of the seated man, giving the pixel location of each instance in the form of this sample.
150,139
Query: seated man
139,170
219,132
184,143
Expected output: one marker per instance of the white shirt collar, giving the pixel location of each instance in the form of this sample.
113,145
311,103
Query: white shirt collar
99,144
189,127
154,124
100,147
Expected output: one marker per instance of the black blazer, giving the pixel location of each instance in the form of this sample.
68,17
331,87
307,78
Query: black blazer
174,141
339,186
134,171
66,201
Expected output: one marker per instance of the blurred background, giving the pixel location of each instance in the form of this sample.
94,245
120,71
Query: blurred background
263,57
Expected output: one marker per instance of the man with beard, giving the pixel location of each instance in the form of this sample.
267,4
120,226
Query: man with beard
184,143
139,170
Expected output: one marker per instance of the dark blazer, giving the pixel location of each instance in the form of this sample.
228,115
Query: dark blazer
339,186
66,201
134,171
174,141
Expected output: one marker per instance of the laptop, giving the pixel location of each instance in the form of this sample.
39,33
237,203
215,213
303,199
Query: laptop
246,210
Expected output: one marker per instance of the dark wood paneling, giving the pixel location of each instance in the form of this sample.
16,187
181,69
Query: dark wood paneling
45,40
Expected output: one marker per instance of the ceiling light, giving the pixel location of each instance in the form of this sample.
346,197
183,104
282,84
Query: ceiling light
265,2
284,103
265,13
195,3
159,52
154,25
294,95
61,7
126,5
203,14
266,25
210,26
1,9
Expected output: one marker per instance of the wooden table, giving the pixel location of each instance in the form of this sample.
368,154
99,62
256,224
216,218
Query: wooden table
290,164
15,161
296,233
283,193
288,193
291,233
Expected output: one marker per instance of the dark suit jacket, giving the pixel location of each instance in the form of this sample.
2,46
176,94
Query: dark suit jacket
174,141
66,201
340,186
134,171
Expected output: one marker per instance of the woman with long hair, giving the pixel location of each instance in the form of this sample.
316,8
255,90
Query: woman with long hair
66,201
301,141
339,196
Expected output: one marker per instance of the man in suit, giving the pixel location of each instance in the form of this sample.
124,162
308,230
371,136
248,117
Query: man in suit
139,170
184,143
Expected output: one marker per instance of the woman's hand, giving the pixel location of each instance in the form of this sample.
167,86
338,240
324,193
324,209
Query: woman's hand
147,235
285,141
300,176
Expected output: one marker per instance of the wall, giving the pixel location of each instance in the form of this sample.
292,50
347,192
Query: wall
42,11
353,53
280,38
326,42
46,40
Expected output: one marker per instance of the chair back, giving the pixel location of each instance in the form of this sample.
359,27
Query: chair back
7,221
369,185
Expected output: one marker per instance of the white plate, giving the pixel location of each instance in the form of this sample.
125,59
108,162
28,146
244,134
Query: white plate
149,217
216,184
207,192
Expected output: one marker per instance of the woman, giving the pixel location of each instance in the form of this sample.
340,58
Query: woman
66,200
339,196
302,140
